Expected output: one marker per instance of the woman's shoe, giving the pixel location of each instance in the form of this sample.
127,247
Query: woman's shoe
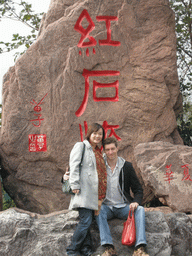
110,251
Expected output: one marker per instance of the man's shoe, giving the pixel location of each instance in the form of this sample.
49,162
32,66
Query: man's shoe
140,252
73,253
110,251
87,253
99,251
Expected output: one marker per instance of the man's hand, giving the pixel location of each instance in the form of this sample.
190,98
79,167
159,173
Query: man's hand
133,206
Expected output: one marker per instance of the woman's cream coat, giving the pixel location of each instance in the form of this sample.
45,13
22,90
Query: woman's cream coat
85,179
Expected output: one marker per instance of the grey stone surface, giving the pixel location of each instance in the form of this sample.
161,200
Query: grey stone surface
24,233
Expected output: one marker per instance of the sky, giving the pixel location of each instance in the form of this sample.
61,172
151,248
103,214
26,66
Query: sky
8,28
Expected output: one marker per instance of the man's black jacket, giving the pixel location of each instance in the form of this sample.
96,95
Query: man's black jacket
128,179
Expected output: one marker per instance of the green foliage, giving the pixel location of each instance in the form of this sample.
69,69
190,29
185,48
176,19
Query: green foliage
183,18
19,12
7,201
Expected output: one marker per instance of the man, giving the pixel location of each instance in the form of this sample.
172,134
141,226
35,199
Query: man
121,178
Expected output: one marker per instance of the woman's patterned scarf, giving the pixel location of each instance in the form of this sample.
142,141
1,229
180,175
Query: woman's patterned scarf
102,173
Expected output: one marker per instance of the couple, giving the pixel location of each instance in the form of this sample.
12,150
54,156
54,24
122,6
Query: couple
102,190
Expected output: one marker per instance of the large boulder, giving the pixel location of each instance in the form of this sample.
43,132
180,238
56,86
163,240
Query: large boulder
167,170
24,233
49,96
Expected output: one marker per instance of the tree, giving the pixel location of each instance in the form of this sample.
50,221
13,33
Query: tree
185,123
10,9
183,20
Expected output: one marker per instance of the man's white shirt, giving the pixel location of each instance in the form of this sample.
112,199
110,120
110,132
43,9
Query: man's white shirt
113,195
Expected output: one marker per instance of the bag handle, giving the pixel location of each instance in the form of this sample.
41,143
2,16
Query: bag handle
131,214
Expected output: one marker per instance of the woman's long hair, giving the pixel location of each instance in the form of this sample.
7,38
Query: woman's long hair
94,128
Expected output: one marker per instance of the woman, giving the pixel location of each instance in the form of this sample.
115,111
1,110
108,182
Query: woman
88,183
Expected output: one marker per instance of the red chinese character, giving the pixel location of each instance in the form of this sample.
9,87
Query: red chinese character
32,147
169,173
91,26
87,74
101,85
37,122
37,108
107,127
81,131
186,172
108,20
37,142
85,32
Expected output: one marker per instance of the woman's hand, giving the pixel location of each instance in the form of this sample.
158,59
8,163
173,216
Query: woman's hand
133,206
66,175
76,191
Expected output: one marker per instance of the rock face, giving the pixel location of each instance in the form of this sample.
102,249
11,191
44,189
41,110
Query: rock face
24,233
122,74
167,170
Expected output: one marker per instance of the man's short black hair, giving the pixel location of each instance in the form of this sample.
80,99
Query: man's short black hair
110,140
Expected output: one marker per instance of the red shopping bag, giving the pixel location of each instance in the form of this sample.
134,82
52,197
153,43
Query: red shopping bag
129,232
